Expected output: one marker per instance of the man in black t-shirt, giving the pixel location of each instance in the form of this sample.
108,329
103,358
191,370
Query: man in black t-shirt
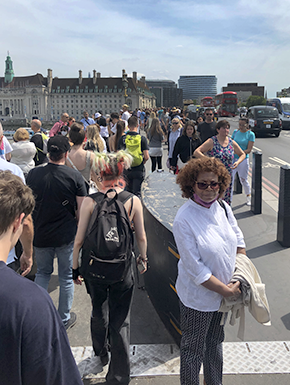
34,348
59,192
39,140
207,129
135,175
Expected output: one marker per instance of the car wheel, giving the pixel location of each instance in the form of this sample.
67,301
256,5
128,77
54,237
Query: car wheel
277,134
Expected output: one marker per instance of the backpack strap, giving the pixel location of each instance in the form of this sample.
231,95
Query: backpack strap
124,199
222,204
71,162
123,196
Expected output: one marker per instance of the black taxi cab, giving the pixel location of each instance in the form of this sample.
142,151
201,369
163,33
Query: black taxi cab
264,120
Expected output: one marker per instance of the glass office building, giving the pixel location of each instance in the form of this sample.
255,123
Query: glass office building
198,86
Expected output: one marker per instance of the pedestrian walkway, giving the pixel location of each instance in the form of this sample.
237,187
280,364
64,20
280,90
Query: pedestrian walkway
263,359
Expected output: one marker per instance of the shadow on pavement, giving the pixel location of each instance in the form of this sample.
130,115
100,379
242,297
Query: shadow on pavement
243,215
267,248
286,321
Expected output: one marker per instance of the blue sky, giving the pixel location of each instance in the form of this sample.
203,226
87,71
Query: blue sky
238,41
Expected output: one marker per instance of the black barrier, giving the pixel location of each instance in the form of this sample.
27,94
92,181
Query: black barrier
256,199
238,188
161,198
283,223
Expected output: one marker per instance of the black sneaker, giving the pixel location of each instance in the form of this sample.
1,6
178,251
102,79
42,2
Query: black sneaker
71,322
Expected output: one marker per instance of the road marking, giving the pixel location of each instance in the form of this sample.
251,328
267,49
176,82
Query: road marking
270,190
278,160
270,183
256,148
266,185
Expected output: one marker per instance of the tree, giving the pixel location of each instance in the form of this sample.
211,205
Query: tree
255,100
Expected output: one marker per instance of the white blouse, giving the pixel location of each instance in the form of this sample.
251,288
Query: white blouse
207,243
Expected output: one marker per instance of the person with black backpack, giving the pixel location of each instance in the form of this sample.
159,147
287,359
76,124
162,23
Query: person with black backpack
103,256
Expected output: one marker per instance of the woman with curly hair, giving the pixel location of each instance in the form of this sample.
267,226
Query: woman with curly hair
208,238
110,319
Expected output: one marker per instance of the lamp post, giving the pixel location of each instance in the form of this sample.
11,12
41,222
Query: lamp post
125,84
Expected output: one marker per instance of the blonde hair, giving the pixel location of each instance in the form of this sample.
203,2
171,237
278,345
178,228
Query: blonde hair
111,166
93,135
21,134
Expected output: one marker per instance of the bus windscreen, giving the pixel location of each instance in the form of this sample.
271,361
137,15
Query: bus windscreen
286,107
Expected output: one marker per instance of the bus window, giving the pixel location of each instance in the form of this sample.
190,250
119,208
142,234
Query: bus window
286,107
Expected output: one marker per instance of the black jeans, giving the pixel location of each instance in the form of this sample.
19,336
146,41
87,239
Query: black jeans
155,159
134,179
110,325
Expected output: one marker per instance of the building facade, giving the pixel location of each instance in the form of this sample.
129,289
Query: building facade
284,93
198,86
48,97
244,90
166,92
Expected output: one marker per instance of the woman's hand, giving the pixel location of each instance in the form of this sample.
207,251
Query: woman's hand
76,276
234,290
142,262
234,165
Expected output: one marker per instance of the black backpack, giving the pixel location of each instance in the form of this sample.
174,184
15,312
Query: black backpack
106,253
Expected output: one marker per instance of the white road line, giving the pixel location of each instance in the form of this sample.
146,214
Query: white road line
278,160
256,148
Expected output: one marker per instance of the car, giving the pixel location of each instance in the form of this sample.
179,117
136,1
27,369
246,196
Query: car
264,120
283,107
9,133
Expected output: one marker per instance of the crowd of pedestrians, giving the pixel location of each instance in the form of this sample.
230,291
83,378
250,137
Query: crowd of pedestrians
110,153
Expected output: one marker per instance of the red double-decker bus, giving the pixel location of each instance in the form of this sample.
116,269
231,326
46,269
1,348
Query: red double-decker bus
207,101
226,103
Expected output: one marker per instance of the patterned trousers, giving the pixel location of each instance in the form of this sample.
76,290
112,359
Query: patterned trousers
201,342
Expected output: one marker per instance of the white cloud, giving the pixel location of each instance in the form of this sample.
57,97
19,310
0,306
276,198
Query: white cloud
68,36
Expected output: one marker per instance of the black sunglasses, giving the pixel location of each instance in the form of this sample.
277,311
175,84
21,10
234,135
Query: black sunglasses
204,186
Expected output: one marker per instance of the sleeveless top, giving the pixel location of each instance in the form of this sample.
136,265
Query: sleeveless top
86,172
226,156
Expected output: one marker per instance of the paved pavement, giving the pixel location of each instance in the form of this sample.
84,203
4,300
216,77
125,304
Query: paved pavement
272,263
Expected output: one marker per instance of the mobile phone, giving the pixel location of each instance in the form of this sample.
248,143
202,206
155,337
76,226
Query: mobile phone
141,266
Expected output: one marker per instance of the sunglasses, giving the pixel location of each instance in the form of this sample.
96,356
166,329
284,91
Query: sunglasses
209,114
204,186
174,122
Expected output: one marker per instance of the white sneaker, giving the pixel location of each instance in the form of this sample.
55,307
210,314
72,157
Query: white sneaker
249,200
